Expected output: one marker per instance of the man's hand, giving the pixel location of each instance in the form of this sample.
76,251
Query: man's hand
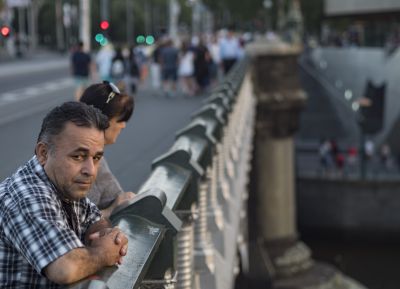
107,247
111,241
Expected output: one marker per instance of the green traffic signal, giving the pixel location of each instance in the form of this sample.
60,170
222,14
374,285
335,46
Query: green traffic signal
104,42
99,37
149,40
140,39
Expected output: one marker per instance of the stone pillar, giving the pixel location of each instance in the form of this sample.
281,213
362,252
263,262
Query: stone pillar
280,101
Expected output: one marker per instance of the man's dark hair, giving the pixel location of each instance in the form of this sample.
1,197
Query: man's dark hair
78,113
121,105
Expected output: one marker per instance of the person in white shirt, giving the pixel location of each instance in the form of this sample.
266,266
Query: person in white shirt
230,51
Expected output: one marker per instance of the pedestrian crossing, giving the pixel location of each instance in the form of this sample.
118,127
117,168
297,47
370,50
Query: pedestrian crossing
34,91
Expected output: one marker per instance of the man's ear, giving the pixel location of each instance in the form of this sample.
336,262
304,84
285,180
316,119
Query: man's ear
42,152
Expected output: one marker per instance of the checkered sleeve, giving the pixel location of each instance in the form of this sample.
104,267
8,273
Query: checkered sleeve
35,227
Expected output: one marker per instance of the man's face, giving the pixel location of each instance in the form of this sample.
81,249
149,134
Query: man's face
73,161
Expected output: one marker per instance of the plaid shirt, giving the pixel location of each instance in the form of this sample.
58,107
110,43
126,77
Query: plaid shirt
34,228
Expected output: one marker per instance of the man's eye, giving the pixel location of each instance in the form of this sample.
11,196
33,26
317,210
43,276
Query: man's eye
97,158
78,157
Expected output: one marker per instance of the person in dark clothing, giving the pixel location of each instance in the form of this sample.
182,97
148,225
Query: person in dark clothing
169,57
118,69
201,67
81,69
133,70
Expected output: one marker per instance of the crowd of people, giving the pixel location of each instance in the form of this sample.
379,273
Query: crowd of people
336,160
186,67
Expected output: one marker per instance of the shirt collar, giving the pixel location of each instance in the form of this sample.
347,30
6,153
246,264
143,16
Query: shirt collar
38,170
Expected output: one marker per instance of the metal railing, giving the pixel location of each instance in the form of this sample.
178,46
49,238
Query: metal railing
187,226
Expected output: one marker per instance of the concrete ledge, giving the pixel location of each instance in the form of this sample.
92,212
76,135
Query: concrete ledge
354,207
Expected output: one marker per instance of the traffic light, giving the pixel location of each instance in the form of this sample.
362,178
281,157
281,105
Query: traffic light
5,31
104,25
140,39
101,37
149,39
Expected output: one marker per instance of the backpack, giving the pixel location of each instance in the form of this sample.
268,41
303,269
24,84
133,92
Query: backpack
117,68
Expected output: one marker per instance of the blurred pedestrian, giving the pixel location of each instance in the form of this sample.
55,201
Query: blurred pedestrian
81,68
385,156
334,148
141,59
106,191
186,70
230,50
351,158
103,60
369,149
118,69
215,62
340,162
202,61
133,75
155,67
325,155
169,67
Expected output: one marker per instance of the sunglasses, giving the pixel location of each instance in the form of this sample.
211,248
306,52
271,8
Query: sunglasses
114,90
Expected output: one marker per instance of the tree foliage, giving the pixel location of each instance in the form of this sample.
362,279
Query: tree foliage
312,11
236,13
151,16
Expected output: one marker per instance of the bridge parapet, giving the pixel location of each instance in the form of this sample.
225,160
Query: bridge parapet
186,226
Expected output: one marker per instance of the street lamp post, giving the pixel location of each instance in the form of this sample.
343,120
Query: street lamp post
129,22
59,26
174,10
85,24
268,5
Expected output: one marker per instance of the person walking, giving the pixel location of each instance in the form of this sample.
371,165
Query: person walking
104,60
133,71
215,62
202,62
230,51
81,69
50,233
118,69
169,67
186,70
155,65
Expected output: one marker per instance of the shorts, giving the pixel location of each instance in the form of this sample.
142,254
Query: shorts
169,74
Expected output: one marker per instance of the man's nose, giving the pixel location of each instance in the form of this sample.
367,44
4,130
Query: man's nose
88,167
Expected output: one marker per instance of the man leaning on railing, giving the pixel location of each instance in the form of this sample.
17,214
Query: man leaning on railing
50,233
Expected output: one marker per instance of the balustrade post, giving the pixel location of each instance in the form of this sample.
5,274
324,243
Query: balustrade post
203,249
215,214
185,252
280,101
